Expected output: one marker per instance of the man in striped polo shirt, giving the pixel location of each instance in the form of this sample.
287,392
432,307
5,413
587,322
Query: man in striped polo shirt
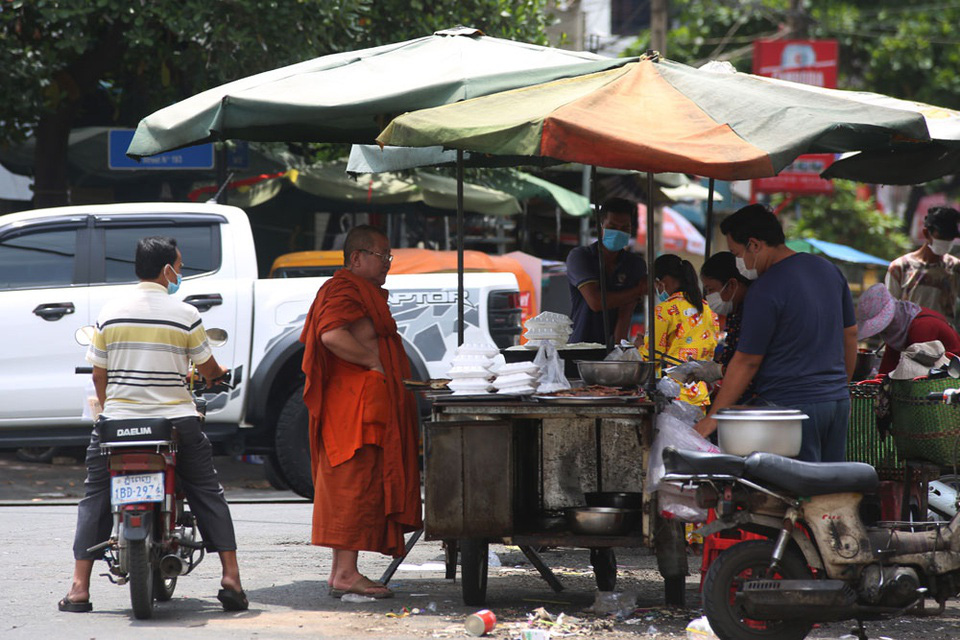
141,353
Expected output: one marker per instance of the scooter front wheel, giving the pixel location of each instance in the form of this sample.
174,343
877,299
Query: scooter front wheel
140,576
734,566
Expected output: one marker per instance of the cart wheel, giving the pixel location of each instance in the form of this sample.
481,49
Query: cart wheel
450,558
604,562
473,570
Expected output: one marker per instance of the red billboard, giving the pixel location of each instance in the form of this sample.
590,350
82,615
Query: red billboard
811,62
805,61
801,177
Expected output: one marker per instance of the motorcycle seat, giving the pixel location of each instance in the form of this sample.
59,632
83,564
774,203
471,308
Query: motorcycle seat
700,463
134,431
812,478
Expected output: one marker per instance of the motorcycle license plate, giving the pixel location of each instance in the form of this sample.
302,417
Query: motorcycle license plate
146,487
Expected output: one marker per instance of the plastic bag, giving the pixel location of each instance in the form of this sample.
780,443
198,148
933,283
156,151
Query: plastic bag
551,369
675,429
696,371
668,387
625,351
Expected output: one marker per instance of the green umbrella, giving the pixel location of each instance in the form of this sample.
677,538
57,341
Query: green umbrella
347,97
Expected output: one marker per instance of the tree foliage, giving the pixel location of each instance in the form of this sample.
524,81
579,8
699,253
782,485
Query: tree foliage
112,62
843,218
904,49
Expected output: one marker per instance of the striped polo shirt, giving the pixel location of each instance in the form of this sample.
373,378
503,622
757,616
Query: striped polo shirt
146,341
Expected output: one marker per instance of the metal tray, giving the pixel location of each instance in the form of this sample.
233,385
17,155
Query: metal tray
586,399
485,397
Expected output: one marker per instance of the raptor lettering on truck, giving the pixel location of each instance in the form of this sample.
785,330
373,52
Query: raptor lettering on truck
429,297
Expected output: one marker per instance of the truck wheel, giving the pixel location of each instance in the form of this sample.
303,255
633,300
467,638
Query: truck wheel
141,578
292,444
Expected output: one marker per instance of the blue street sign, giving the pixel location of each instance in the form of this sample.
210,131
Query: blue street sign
196,157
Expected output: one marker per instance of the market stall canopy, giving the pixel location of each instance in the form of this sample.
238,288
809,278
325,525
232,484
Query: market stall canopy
836,251
658,115
902,161
348,97
371,158
330,182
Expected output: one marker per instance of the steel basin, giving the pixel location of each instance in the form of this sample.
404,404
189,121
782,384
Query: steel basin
615,499
602,521
743,430
616,373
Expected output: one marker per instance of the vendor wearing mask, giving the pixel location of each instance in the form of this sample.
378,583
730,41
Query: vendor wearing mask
685,328
930,276
899,324
725,289
626,277
798,344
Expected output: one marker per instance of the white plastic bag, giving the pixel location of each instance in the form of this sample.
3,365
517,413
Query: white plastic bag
551,369
675,429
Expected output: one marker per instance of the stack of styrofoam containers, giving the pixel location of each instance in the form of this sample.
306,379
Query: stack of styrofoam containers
517,378
470,373
548,327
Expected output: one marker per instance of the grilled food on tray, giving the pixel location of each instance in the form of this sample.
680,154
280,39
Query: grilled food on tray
593,391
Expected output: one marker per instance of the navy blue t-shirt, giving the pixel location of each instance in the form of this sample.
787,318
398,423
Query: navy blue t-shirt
583,267
794,315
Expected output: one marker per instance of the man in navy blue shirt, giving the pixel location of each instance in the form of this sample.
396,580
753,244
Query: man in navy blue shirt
798,338
626,274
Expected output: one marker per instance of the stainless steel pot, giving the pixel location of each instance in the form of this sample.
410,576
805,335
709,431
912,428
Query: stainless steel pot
866,362
602,521
616,373
743,430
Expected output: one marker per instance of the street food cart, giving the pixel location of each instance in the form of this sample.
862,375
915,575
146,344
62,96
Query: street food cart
502,469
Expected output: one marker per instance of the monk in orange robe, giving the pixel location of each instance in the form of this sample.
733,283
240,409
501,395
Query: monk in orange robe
364,429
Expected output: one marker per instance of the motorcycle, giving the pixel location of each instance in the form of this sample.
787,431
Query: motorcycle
820,561
154,539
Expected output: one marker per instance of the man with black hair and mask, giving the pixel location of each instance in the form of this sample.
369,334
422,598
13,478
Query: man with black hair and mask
626,277
930,276
798,339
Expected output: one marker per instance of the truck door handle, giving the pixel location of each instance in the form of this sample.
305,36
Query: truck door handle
204,301
54,310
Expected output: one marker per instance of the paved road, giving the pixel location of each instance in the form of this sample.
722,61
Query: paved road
285,580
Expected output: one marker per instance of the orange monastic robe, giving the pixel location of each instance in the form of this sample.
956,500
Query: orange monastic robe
364,430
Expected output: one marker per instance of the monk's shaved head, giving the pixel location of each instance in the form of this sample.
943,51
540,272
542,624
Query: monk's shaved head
360,238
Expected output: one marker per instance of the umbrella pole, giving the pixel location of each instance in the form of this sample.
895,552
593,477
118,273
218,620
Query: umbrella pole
651,289
603,276
460,300
709,224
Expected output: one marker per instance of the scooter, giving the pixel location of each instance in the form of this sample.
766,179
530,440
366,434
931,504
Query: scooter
820,563
154,539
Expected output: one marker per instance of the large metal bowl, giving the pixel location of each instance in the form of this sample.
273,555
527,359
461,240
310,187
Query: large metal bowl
616,373
743,430
602,521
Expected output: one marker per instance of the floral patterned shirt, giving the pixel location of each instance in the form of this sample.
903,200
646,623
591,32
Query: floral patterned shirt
682,332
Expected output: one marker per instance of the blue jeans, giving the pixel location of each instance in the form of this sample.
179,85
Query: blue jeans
825,431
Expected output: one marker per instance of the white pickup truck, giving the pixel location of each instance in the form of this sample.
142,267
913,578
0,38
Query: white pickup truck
59,266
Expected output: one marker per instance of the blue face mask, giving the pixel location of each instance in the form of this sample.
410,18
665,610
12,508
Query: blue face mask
615,240
173,287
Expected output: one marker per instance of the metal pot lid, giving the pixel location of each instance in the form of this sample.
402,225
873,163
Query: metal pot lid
760,413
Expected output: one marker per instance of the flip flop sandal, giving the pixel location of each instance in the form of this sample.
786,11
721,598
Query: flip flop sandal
379,594
233,600
68,605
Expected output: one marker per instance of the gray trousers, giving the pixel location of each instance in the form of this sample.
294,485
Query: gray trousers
197,477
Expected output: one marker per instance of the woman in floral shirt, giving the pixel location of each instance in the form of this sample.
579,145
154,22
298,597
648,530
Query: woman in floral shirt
685,327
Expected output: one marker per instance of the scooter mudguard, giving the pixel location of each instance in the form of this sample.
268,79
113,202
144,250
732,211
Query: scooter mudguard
137,525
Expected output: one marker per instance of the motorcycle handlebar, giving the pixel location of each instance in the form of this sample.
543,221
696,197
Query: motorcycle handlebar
947,396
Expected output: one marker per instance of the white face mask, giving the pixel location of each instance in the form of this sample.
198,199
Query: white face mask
749,274
716,302
940,247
